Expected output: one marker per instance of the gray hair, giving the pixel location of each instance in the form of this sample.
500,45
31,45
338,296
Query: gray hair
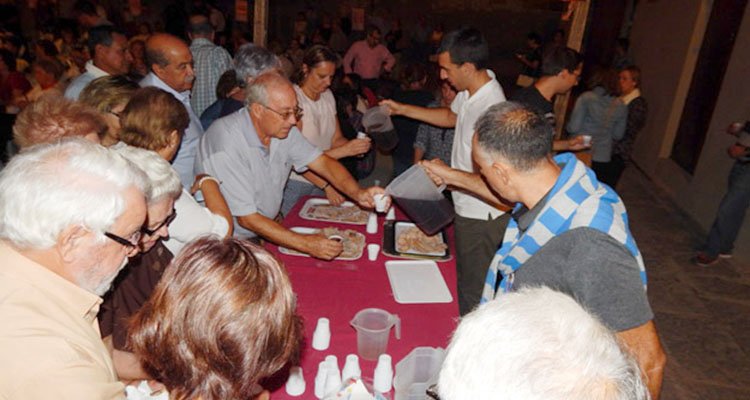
49,187
537,344
165,182
251,61
256,92
515,133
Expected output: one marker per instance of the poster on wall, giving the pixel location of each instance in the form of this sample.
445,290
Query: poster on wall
358,19
240,11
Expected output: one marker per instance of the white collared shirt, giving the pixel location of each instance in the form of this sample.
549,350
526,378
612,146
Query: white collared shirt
81,81
468,109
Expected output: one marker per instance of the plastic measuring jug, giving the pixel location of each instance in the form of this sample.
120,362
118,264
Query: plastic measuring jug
373,327
416,372
421,200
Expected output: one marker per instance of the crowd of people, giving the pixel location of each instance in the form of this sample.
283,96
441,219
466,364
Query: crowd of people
152,173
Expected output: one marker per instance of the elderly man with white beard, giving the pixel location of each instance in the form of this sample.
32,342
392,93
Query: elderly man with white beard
71,216
171,65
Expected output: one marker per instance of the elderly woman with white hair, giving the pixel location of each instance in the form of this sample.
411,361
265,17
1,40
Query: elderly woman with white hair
154,120
143,271
537,344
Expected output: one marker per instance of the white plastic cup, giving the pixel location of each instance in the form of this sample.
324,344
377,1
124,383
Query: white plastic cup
372,251
380,202
333,376
322,335
586,140
372,224
382,381
391,216
295,385
351,368
320,380
361,135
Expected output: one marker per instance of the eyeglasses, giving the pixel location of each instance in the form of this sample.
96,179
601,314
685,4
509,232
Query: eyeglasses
431,392
166,222
297,113
130,244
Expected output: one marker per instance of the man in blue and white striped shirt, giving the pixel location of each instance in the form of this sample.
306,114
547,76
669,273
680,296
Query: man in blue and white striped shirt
568,231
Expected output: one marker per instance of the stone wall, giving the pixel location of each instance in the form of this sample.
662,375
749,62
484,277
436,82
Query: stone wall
666,40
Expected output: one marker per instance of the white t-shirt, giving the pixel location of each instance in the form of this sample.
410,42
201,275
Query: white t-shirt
192,221
468,110
318,121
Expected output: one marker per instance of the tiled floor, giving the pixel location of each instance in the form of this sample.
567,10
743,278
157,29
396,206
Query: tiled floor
702,314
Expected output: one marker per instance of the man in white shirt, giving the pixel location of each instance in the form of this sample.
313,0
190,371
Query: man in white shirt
171,65
462,57
110,56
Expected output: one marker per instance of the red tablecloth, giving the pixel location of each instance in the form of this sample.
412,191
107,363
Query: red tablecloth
338,289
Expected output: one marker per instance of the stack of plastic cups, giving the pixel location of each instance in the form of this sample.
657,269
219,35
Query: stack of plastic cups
383,379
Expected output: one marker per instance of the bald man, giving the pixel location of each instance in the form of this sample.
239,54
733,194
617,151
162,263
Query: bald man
252,152
171,65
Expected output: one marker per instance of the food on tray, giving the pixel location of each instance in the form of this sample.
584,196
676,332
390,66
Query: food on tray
327,212
354,242
413,240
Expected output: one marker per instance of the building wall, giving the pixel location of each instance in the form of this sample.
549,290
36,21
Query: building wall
666,40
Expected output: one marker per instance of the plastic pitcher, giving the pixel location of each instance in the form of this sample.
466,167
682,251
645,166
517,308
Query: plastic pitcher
377,122
416,372
373,327
421,200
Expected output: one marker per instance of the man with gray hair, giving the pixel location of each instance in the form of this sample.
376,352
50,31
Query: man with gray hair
568,231
537,344
72,213
210,62
252,152
250,61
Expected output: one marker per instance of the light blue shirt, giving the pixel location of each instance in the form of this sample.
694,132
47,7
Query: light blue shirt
252,175
184,162
601,116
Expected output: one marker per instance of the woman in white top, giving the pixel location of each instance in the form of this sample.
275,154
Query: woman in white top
154,120
319,125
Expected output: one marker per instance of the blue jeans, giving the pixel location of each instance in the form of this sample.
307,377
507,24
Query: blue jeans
731,212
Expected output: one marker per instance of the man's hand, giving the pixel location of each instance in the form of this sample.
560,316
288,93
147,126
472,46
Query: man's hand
577,143
438,171
333,196
737,151
321,247
365,197
393,107
356,147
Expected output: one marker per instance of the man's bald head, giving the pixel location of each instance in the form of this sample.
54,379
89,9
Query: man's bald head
169,58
